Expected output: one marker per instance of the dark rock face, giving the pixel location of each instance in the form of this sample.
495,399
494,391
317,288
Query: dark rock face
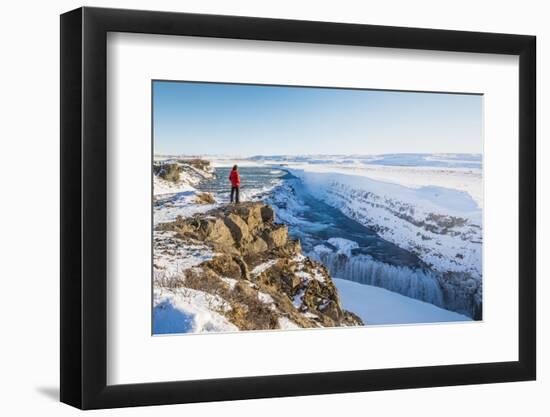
257,253
268,215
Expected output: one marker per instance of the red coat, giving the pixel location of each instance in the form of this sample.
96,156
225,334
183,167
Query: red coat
235,178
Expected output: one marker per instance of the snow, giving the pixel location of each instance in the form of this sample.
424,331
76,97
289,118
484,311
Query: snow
297,301
287,324
161,186
171,257
263,267
170,206
231,282
265,298
299,258
185,310
379,306
308,276
178,199
178,309
461,172
318,276
429,195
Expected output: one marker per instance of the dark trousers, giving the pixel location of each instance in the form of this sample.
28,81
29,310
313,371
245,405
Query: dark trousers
235,191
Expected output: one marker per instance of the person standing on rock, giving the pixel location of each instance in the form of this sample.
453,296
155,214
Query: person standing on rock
235,179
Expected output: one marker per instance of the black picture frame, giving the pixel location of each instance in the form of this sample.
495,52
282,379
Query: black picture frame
84,207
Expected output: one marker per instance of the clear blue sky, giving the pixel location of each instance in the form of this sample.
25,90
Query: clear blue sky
245,120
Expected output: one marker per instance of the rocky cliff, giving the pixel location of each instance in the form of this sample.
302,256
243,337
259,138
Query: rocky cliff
180,175
260,273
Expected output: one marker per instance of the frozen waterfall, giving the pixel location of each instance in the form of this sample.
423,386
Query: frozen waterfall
418,284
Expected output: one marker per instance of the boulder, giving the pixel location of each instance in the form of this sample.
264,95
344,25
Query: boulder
293,282
215,230
254,217
289,250
225,266
250,213
208,229
276,237
258,245
239,229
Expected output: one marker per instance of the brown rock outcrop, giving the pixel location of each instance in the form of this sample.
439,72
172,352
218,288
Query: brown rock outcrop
274,280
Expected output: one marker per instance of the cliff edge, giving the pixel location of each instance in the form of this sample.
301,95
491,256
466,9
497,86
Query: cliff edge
257,277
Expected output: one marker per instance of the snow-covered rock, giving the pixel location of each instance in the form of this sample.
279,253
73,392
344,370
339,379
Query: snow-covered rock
172,176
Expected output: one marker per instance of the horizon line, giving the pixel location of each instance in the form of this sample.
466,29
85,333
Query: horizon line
316,154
